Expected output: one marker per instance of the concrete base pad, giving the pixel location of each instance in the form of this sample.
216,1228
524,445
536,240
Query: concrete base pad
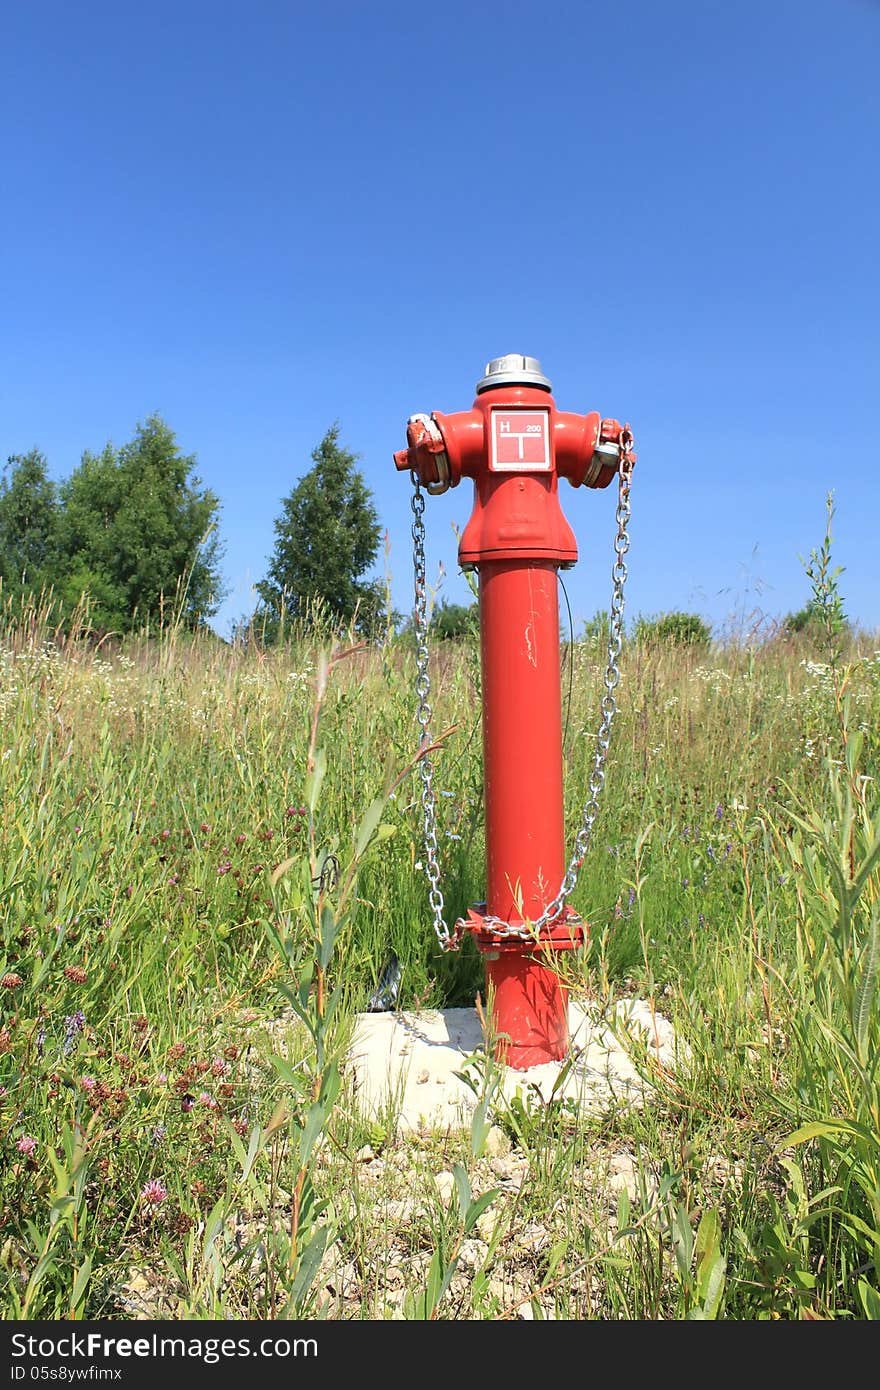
404,1065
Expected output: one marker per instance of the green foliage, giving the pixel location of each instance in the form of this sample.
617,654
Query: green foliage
597,630
28,524
326,539
454,620
823,619
138,532
131,533
217,910
673,630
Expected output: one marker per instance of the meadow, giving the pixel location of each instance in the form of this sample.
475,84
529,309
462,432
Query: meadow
208,854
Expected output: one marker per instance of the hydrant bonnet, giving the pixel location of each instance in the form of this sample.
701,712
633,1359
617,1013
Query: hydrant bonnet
513,370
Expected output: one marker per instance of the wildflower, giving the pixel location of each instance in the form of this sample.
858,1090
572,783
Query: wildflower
223,868
161,1078
140,1023
154,1192
240,839
719,812
176,1051
41,1039
187,1102
219,1067
231,1053
240,1127
157,1135
11,980
205,828
88,1083
685,882
295,811
76,974
207,1100
632,896
166,834
73,1024
27,1145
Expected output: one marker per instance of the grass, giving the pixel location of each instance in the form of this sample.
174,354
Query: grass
209,853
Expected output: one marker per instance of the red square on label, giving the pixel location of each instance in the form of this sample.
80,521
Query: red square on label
520,441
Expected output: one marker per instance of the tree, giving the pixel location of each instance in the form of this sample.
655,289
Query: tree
326,538
138,532
28,523
674,630
450,621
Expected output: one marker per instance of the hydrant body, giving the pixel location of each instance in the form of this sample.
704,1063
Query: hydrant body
516,446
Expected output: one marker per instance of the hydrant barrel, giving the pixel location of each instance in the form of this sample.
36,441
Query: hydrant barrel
522,762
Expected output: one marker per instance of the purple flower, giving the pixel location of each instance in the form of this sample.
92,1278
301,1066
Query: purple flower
719,812
27,1145
154,1192
73,1024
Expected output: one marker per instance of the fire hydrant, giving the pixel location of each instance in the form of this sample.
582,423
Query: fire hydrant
516,445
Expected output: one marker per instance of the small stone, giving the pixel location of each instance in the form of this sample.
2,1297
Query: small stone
510,1169
497,1143
533,1238
366,1154
422,1077
625,1174
525,1312
486,1224
472,1254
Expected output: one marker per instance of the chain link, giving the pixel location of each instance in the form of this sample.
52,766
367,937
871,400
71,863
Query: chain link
447,940
451,940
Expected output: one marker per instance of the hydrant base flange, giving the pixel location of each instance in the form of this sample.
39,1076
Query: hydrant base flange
567,933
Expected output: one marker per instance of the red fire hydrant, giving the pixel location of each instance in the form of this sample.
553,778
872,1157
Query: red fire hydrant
516,446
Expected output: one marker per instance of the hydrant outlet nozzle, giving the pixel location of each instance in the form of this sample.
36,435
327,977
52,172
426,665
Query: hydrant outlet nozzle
426,455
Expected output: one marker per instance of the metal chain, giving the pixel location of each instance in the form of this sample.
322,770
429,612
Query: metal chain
447,940
450,940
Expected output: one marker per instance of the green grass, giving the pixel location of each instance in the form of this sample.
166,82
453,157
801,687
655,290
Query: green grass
196,898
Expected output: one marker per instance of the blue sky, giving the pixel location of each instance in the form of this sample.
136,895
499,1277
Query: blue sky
260,218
